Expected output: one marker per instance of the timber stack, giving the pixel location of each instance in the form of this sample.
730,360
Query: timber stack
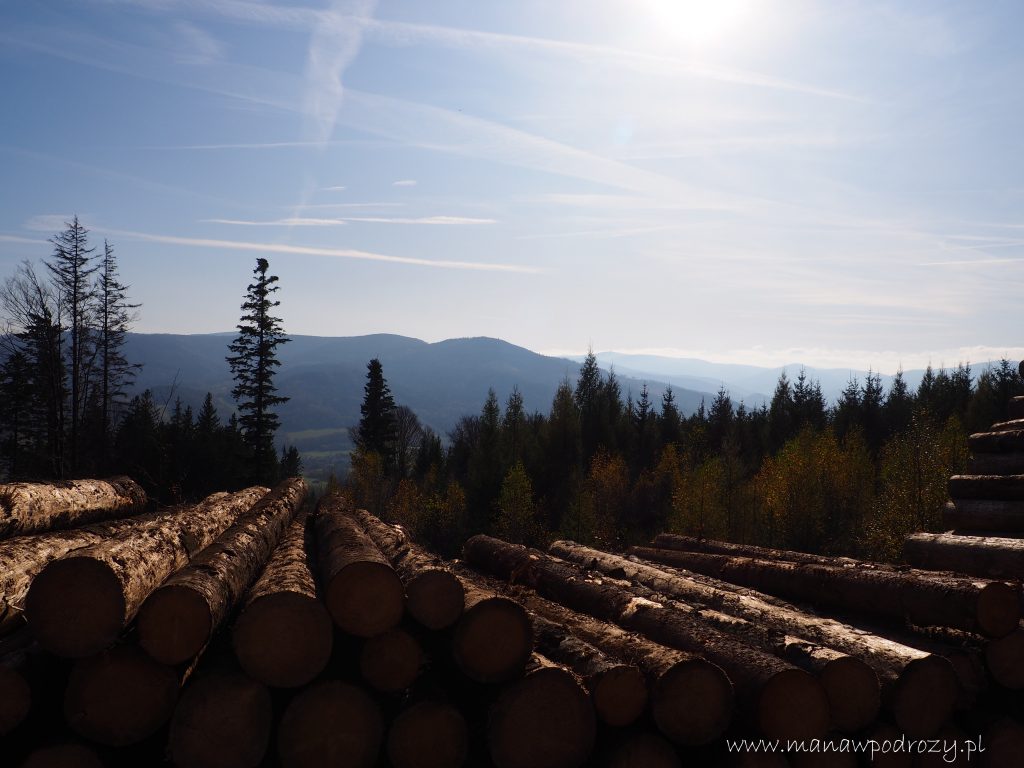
256,629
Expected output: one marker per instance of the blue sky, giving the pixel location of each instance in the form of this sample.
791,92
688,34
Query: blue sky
834,183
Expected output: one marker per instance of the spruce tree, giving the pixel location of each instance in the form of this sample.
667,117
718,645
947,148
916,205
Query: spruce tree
254,362
376,431
72,268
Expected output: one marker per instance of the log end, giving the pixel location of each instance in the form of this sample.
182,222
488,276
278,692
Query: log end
15,699
63,756
391,662
1005,660
493,640
924,696
792,705
854,693
644,750
283,639
75,607
692,703
435,599
174,624
330,723
428,735
222,721
120,696
998,609
366,598
545,720
619,694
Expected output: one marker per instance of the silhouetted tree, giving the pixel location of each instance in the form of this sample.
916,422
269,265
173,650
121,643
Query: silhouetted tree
253,362
376,430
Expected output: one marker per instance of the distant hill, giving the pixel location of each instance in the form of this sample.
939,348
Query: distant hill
324,377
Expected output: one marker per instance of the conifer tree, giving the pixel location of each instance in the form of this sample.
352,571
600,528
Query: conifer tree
376,431
253,362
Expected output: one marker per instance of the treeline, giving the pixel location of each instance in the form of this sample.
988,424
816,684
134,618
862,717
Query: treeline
64,382
852,478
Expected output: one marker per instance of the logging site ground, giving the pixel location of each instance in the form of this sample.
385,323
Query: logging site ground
591,384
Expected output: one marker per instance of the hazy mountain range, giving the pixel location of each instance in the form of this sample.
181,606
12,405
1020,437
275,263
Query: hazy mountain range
442,381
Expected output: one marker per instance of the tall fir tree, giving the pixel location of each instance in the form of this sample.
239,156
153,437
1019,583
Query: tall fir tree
377,426
72,267
254,362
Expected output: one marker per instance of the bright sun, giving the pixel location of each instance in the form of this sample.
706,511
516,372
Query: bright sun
699,23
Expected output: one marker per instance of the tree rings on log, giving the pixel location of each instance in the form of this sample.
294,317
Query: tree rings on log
493,639
391,662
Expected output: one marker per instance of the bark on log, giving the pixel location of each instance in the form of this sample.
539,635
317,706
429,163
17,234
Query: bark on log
991,557
330,724
991,608
433,595
493,640
996,442
428,734
23,557
993,487
120,696
1005,660
1014,425
984,516
391,662
80,603
672,541
178,619
783,701
27,508
363,593
63,756
920,688
690,697
284,635
544,720
996,463
223,720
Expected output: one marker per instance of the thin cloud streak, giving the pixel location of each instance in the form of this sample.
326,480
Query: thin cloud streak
25,240
302,250
299,221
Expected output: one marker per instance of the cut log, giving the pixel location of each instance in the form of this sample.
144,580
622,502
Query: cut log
23,557
15,691
545,720
177,620
1015,408
494,638
428,734
363,593
1014,425
991,608
391,662
284,636
120,696
330,724
833,751
223,720
996,463
984,516
690,697
79,604
1003,742
63,756
782,700
920,688
644,750
711,546
1005,660
618,691
880,735
996,442
991,557
433,595
37,507
994,487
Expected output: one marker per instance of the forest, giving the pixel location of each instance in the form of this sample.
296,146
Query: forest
849,478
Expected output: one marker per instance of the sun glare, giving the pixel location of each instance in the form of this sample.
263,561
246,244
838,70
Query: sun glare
700,23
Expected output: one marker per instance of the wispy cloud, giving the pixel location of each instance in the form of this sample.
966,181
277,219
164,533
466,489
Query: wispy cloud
302,250
290,221
24,240
297,221
335,43
431,220
336,188
404,183
195,45
51,222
